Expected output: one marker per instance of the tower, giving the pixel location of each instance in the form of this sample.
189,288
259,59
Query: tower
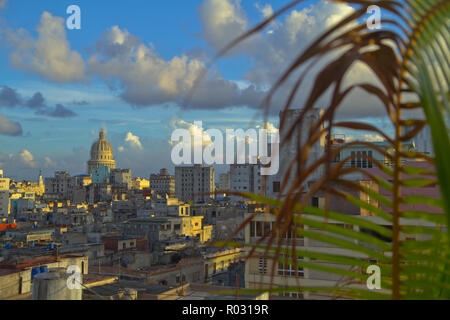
101,153
40,180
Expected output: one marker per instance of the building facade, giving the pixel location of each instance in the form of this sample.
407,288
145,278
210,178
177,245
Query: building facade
225,181
246,178
289,148
59,185
195,183
163,183
121,177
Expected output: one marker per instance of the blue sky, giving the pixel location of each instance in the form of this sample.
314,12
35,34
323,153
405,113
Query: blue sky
108,84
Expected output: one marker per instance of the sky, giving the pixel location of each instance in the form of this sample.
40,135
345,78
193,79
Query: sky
130,69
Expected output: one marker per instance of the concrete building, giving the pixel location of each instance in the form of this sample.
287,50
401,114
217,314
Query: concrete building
121,177
360,155
28,186
4,197
225,181
258,268
289,148
101,153
246,178
179,210
163,183
140,184
169,228
59,185
14,282
123,243
17,276
101,174
195,183
218,261
424,142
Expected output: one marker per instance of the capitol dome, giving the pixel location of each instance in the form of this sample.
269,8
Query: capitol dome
101,153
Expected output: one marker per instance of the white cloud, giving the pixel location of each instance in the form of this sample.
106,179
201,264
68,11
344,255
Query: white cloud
143,78
270,127
272,52
133,141
223,20
195,131
121,149
266,10
27,159
49,55
146,79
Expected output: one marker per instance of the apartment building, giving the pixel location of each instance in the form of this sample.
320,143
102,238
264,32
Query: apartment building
225,181
163,184
195,183
246,178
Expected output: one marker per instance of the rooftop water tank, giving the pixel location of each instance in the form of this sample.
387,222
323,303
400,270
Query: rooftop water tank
53,285
43,269
35,272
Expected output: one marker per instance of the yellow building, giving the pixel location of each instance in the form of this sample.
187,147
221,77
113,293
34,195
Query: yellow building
140,184
192,227
219,261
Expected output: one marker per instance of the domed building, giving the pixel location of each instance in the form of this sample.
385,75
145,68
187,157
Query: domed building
101,153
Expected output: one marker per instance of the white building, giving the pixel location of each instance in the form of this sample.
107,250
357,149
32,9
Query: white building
246,178
4,196
289,148
195,183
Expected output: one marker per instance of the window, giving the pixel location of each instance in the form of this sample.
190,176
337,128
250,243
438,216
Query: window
259,232
358,157
267,228
288,270
276,187
353,159
315,202
252,229
294,295
262,266
370,159
364,159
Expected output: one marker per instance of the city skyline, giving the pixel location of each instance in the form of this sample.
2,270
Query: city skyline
49,115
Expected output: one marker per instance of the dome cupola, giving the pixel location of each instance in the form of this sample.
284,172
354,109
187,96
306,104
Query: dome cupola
101,153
